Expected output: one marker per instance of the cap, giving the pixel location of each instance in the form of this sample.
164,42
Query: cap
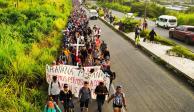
65,85
118,87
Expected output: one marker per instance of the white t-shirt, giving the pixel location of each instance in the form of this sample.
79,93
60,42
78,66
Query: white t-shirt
55,89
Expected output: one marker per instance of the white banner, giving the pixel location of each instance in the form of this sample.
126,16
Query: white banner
75,77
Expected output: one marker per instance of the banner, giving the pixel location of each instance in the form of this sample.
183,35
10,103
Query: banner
75,77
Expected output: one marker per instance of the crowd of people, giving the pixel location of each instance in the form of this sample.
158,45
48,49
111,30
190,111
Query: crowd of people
83,47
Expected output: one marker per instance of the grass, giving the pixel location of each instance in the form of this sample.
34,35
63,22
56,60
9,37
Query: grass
158,38
180,51
183,52
115,6
29,39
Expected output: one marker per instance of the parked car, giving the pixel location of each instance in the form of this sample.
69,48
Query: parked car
93,14
129,15
166,21
183,32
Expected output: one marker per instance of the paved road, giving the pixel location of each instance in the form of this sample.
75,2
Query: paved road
147,86
160,31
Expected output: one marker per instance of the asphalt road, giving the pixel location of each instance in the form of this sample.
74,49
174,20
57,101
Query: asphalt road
147,86
160,31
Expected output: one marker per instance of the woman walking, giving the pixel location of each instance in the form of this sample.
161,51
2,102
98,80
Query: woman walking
66,99
118,100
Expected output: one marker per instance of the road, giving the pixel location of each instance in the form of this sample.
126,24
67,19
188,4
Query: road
148,87
160,31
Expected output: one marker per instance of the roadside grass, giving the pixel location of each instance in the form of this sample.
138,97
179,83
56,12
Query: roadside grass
179,50
115,6
30,38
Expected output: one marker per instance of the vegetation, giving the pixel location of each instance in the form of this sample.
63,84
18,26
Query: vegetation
129,24
158,38
182,52
115,6
29,39
184,18
100,12
153,11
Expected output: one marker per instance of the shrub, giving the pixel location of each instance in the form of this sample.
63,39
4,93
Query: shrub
180,50
59,24
100,12
115,6
116,20
3,4
129,24
144,33
27,44
158,38
165,41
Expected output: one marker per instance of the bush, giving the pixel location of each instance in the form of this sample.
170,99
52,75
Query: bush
27,44
182,51
116,6
144,33
162,40
116,20
153,10
129,24
185,19
100,12
165,41
3,4
93,7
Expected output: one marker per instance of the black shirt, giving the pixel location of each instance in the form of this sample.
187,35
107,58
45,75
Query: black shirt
101,89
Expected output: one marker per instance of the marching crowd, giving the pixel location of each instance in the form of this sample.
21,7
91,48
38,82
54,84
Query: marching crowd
83,47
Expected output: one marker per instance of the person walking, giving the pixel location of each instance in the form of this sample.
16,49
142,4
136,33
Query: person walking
54,89
137,35
152,35
101,91
51,106
66,99
145,24
85,96
118,99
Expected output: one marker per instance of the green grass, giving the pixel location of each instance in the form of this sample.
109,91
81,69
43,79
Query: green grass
180,51
29,39
158,38
115,6
183,52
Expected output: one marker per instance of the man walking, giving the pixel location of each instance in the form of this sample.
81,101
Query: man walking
85,96
152,35
54,89
137,35
101,91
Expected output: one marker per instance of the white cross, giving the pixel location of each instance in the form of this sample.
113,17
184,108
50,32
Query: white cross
77,46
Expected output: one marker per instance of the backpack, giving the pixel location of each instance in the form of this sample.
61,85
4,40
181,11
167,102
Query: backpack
52,84
118,99
55,108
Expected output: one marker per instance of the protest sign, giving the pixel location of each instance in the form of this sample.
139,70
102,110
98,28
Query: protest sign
75,77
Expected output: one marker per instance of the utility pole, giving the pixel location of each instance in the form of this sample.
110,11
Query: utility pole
145,13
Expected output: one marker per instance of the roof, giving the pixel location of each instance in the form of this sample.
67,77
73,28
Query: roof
92,10
167,16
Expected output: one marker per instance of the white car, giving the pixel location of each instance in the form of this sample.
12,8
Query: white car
129,15
93,14
166,21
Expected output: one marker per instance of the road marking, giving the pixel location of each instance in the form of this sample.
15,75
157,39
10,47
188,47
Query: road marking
123,110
